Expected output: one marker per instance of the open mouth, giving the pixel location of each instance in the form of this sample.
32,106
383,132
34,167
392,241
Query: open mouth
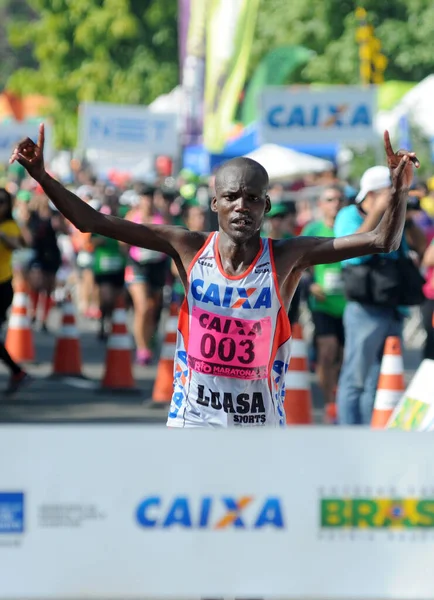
242,222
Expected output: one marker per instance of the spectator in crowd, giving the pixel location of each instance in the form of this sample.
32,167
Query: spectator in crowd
327,301
145,276
428,305
417,215
163,200
10,239
40,233
367,321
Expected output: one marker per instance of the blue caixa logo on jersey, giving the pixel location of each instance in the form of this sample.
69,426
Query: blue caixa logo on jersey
11,512
210,512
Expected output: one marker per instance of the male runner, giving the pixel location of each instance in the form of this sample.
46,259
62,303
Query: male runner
234,336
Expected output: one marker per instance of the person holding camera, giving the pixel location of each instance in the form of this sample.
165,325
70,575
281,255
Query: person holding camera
378,289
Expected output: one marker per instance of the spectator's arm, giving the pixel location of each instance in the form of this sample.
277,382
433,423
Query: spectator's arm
428,258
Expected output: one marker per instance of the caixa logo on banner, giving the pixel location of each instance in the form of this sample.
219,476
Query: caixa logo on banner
328,115
208,512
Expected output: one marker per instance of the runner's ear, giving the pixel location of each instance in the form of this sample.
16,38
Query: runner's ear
214,204
267,203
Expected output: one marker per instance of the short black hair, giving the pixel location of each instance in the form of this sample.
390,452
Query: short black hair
144,189
241,162
4,194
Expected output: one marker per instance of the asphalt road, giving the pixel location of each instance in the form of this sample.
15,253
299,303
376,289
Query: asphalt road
75,400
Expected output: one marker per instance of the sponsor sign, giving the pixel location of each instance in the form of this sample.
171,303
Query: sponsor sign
339,114
124,128
278,508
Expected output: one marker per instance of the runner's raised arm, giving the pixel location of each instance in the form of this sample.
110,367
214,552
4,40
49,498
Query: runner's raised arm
163,238
304,252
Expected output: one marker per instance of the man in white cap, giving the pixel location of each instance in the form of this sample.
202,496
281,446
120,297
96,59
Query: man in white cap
367,321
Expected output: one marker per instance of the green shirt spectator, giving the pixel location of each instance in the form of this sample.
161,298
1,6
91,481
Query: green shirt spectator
328,277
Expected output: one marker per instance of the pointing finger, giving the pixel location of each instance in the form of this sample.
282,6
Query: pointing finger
41,138
387,144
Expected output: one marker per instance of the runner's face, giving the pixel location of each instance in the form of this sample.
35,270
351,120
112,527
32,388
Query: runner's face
240,202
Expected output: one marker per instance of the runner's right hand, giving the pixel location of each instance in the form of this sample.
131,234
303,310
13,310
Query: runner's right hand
31,155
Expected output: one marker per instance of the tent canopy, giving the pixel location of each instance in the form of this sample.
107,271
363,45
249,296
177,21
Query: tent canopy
283,163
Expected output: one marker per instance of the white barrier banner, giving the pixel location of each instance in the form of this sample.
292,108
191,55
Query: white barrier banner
117,127
13,132
123,512
339,114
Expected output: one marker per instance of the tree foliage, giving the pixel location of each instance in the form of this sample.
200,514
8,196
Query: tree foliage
10,58
122,51
328,27
126,50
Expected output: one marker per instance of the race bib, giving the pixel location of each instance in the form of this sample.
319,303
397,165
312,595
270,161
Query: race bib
333,282
111,264
229,347
84,260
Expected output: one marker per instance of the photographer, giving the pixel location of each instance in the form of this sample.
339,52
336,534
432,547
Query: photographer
378,289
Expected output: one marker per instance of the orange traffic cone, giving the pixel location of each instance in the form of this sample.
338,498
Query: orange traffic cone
163,387
67,353
298,396
118,372
19,338
390,383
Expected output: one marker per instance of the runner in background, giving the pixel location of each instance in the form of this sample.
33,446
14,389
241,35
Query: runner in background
10,240
234,336
327,303
194,220
145,276
108,270
40,234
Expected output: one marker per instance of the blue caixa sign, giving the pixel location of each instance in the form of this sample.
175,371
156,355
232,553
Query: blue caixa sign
11,512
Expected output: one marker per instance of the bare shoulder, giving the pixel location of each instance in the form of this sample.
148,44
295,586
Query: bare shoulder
186,243
287,253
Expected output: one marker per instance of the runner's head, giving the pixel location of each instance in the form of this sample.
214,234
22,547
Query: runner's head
241,199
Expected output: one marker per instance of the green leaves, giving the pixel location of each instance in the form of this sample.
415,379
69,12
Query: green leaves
328,27
121,51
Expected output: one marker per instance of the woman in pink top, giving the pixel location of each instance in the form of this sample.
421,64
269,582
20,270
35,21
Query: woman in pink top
145,276
428,305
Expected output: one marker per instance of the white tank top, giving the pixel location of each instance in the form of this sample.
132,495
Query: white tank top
233,345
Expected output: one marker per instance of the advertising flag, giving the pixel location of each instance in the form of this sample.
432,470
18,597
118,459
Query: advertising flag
192,50
230,30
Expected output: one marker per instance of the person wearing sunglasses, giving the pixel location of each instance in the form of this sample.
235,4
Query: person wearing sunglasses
10,240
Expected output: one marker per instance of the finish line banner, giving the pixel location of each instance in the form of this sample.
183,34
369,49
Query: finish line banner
127,512
124,128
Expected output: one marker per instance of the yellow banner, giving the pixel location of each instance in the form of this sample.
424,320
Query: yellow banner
230,30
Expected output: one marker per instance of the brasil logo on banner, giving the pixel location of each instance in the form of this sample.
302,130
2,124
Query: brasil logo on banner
230,30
